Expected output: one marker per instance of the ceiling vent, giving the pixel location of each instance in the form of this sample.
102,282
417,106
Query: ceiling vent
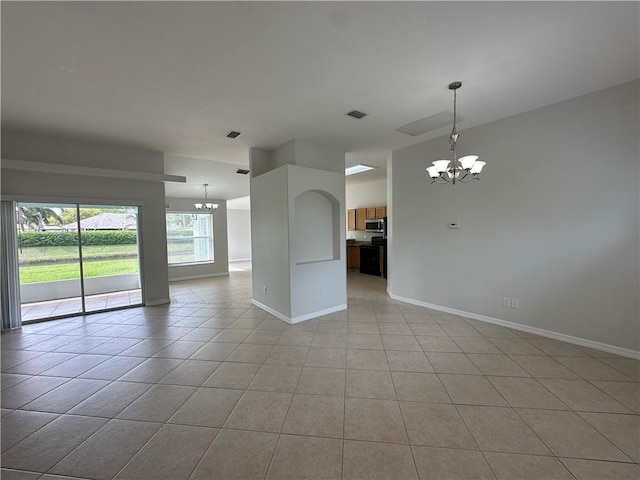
357,114
428,124
242,171
233,134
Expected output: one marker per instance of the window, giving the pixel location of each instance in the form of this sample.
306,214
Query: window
189,238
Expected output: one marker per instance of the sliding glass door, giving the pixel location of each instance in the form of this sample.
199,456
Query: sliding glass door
77,259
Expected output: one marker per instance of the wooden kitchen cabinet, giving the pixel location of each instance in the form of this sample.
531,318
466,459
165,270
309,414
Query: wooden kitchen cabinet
371,213
351,219
353,257
361,218
381,212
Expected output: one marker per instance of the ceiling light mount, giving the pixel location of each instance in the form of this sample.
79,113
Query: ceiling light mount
462,169
206,205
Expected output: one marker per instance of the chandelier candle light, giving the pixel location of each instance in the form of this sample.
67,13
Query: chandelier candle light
462,169
206,205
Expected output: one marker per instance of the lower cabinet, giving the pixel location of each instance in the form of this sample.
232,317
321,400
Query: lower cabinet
353,257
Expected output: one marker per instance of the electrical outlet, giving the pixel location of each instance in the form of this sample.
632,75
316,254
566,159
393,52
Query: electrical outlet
264,289
506,302
515,303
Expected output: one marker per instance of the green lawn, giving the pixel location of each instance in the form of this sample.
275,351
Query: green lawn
68,271
32,254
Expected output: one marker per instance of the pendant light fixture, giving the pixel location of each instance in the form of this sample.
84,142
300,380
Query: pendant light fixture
462,169
206,205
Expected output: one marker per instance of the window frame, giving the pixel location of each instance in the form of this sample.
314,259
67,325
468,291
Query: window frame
212,237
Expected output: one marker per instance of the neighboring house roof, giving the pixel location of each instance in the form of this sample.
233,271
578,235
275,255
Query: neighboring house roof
106,221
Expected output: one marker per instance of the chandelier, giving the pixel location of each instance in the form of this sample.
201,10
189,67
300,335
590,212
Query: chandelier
462,169
206,205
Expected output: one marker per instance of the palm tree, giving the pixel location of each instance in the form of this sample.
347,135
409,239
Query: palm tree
37,217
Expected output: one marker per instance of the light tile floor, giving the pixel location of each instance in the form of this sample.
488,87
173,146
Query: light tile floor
210,387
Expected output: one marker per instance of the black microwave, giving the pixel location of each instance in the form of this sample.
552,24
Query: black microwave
374,225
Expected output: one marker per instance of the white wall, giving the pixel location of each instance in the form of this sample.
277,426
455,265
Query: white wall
553,221
239,234
50,187
362,195
220,264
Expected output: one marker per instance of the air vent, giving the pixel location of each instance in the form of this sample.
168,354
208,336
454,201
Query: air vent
428,124
357,114
233,134
242,171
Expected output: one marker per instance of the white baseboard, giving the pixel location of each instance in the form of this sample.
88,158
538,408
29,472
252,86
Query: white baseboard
153,303
240,260
195,277
624,352
301,318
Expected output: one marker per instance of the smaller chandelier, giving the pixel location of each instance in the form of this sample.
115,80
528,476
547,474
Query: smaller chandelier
206,205
462,169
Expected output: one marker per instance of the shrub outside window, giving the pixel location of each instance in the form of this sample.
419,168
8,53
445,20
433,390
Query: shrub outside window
189,238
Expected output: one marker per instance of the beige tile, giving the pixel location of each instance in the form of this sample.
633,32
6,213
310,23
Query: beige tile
331,326
515,346
261,411
329,340
249,353
581,395
231,335
401,342
367,359
363,327
287,355
626,393
233,375
322,381
106,452
556,348
509,466
370,384
371,461
113,368
271,323
297,337
190,373
622,430
180,349
236,454
75,366
493,331
593,369
543,367
395,329
374,420
628,366
43,449
306,458
460,330
158,404
526,393
452,363
246,323
276,378
408,361
327,357
111,400
66,396
448,464
433,343
315,415
151,370
18,424
500,365
171,454
501,430
207,407
419,387
214,351
430,329
437,425
568,435
364,340
263,337
471,390
598,470
7,474
475,345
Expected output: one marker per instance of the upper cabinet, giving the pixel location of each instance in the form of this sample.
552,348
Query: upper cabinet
356,218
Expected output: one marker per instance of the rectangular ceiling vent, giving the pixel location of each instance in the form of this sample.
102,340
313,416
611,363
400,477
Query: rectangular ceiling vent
428,124
233,134
357,114
242,171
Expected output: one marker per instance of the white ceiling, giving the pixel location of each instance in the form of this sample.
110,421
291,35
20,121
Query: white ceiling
177,77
